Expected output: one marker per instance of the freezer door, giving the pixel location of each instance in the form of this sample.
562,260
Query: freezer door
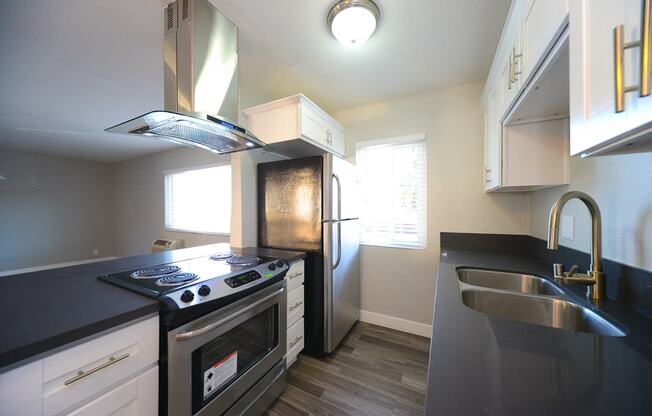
341,251
290,204
343,182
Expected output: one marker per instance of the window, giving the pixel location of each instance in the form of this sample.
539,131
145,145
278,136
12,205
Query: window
199,200
393,182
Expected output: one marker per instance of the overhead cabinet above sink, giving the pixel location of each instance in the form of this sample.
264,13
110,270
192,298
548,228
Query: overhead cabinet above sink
611,76
296,127
526,100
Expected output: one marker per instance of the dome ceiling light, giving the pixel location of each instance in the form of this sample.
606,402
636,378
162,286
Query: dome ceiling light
352,22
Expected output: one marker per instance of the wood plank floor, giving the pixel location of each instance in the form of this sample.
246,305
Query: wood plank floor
375,371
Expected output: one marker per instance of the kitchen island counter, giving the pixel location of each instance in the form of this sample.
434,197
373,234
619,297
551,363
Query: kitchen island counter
45,310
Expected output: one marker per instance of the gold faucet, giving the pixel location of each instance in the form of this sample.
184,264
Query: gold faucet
595,280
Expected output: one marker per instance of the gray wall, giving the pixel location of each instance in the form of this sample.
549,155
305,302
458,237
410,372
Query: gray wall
53,209
139,192
622,186
140,199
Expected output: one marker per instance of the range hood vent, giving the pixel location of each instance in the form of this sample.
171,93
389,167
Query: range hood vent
200,82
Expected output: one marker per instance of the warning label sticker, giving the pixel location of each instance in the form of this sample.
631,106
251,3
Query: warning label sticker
220,373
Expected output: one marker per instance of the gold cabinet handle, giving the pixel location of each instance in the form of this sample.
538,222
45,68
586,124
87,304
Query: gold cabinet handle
511,72
619,66
295,275
83,374
516,56
646,35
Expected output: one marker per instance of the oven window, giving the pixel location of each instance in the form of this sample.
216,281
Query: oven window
217,364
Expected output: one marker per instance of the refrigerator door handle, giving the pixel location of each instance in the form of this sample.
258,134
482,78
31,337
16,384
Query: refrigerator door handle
339,225
339,245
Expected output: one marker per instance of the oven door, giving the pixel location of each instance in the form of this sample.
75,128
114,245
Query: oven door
215,360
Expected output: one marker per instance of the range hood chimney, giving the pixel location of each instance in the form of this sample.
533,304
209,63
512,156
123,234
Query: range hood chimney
200,82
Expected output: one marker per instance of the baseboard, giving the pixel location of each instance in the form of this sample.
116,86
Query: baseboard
399,324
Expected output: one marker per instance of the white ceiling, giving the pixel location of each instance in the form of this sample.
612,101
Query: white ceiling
95,147
420,45
71,68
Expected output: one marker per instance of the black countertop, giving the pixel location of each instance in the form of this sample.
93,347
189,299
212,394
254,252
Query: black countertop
482,365
44,310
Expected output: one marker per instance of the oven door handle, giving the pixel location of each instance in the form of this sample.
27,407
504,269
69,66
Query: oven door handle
184,336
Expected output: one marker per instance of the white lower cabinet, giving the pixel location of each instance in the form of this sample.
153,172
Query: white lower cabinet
136,397
295,312
113,374
295,341
20,390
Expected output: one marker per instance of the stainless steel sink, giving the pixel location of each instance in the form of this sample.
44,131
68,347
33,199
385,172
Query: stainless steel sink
540,310
513,282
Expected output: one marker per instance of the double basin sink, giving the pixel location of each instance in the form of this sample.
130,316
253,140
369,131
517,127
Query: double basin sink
531,299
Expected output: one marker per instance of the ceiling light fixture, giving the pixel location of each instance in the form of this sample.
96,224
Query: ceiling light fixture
352,22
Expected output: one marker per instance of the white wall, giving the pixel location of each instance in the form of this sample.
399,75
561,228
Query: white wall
53,209
399,282
622,187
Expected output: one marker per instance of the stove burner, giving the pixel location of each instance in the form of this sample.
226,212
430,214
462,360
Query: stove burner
155,271
244,261
222,256
176,279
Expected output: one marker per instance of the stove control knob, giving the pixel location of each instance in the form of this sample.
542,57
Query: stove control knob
279,263
204,290
187,296
271,266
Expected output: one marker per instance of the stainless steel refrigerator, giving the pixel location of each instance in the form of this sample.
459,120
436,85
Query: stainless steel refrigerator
311,204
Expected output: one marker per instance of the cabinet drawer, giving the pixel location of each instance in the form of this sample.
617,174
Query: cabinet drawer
74,375
136,397
295,305
296,275
295,341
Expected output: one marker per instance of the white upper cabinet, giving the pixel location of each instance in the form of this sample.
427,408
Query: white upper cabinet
609,107
526,100
296,127
542,21
512,63
492,142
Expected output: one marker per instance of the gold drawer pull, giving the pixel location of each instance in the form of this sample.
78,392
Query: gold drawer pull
516,56
296,305
296,341
510,71
620,46
83,374
293,276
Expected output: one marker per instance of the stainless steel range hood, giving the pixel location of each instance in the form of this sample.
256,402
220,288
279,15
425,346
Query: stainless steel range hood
201,82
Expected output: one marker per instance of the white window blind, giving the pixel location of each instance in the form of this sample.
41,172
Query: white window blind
199,200
393,183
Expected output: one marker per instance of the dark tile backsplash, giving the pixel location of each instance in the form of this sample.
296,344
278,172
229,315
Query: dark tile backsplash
626,284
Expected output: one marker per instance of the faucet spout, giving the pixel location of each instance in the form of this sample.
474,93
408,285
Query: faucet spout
595,279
